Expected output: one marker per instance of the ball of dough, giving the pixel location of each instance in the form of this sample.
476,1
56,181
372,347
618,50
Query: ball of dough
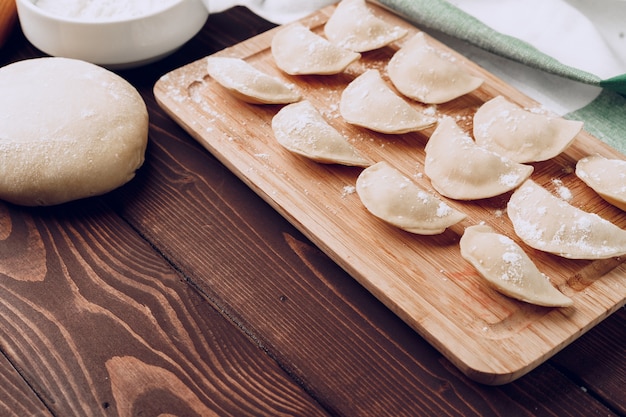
68,130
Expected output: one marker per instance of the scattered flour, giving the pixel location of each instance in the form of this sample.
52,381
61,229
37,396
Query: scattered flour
564,192
348,190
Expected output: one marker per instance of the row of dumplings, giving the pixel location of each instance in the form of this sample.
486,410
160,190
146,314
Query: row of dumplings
495,161
417,70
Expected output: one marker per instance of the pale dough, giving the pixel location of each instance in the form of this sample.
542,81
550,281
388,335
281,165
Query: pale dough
301,129
522,135
297,51
426,74
353,26
369,102
605,176
247,83
395,198
460,169
547,223
507,268
68,130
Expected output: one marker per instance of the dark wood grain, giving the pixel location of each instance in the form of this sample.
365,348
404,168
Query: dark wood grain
184,293
597,363
16,398
96,320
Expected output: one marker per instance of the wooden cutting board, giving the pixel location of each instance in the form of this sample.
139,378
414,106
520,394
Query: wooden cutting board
423,279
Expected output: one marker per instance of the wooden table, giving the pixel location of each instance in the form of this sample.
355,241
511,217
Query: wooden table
183,293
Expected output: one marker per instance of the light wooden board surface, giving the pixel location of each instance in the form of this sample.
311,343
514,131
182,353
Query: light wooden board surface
423,279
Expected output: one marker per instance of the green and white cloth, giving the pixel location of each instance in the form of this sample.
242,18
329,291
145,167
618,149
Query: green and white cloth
443,16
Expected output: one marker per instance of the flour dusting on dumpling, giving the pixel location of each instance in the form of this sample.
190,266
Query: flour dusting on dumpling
423,73
550,224
249,84
605,176
507,268
301,129
394,198
369,102
458,168
353,26
522,135
298,51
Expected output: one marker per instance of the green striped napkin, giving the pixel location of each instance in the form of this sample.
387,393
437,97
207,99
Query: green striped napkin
604,118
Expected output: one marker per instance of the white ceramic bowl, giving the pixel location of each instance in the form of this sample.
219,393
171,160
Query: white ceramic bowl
123,43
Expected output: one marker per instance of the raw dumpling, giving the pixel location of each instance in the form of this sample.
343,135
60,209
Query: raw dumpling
248,83
353,26
301,129
369,102
394,198
297,50
547,223
458,168
507,268
607,177
521,135
423,73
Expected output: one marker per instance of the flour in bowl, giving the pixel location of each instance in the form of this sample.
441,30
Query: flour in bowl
100,10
